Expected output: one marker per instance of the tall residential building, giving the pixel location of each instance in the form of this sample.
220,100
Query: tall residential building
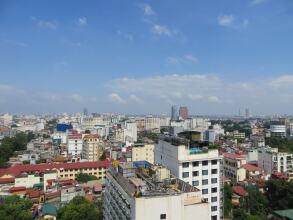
247,113
92,147
183,112
74,144
141,152
278,130
130,132
152,123
141,191
174,113
199,167
272,161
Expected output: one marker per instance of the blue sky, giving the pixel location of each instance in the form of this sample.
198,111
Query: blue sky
143,56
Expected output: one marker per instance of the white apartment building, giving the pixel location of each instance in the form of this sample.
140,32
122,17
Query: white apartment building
27,180
233,167
92,147
198,167
130,132
74,144
152,123
142,152
271,161
131,193
278,130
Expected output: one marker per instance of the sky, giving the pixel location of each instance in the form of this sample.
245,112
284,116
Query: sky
141,57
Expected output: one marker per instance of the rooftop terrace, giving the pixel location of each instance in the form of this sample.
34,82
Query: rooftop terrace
141,179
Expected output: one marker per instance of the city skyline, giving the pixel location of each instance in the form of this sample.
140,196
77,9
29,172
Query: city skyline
130,56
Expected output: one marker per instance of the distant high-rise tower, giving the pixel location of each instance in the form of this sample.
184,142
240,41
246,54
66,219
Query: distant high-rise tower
85,112
174,113
247,114
183,112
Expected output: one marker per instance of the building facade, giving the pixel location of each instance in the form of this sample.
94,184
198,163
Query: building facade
132,194
141,152
201,169
92,147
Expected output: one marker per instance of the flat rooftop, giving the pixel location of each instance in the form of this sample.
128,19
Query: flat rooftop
139,179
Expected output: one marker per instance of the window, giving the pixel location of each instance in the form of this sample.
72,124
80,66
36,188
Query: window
185,174
214,217
205,191
214,180
214,208
214,171
195,183
214,199
214,162
194,173
195,164
163,216
205,172
185,165
214,190
205,163
205,182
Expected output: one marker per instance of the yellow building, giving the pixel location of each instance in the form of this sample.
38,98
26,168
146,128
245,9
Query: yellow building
92,147
143,152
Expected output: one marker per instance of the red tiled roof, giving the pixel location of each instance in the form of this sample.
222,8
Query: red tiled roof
87,136
17,169
239,190
51,195
33,193
75,136
234,156
279,176
6,180
250,167
17,189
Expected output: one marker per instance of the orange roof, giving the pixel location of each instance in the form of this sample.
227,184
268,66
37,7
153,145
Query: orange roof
17,169
6,180
250,167
17,189
234,156
88,136
239,190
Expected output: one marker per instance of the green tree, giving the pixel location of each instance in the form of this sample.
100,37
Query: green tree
79,208
103,156
280,194
227,200
256,202
239,214
14,207
83,177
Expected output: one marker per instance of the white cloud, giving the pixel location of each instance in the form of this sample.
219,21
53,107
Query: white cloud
209,93
213,98
115,98
191,58
226,20
188,58
231,21
16,43
162,30
257,2
136,99
82,21
45,24
147,9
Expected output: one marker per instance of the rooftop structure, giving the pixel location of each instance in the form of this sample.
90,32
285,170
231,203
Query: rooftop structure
133,186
